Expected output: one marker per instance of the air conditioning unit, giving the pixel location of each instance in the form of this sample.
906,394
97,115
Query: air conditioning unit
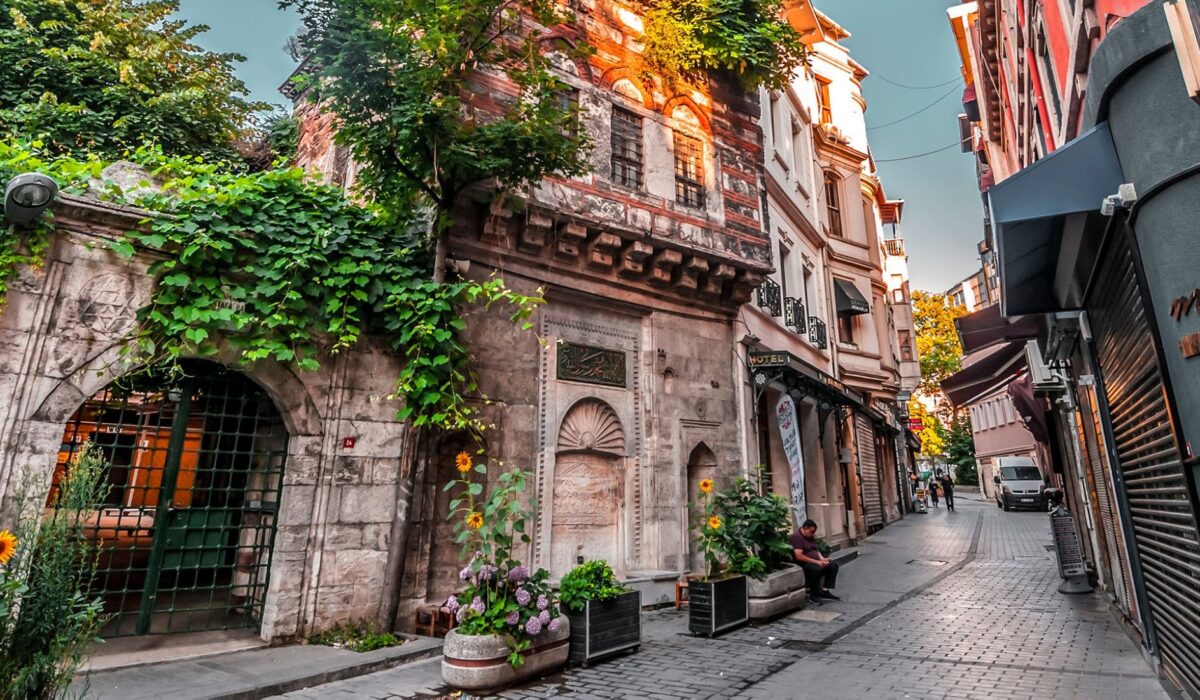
1044,378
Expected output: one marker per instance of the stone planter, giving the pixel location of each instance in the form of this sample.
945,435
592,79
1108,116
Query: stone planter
605,628
780,592
481,662
716,606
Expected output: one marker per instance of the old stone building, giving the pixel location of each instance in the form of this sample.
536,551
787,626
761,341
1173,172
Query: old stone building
256,498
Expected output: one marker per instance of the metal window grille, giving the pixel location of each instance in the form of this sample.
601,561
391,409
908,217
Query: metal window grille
794,316
689,171
770,297
626,148
818,334
185,531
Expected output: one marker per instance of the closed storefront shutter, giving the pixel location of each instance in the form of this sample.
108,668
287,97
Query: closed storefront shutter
868,465
1150,464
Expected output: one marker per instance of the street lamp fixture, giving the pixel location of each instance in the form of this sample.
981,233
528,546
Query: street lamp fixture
27,196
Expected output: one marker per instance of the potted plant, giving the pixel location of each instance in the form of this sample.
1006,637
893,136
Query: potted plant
606,617
718,601
509,625
755,532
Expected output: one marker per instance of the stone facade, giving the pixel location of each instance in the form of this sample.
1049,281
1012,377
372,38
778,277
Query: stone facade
60,336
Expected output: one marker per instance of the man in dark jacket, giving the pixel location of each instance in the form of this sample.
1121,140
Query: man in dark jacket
820,574
947,489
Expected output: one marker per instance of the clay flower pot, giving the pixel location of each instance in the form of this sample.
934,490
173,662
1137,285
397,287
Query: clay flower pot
480,662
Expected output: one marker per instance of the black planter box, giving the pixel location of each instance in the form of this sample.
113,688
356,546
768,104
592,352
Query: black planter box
605,628
716,606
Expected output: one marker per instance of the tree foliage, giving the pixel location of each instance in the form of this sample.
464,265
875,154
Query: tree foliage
107,76
960,448
408,81
748,38
933,444
937,340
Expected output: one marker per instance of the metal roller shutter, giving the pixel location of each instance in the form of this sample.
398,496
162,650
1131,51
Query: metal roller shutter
868,466
1150,463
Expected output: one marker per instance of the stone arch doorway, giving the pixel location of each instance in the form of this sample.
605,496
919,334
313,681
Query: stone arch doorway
702,464
589,489
194,469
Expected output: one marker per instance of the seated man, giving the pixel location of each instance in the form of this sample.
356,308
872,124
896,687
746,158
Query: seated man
820,574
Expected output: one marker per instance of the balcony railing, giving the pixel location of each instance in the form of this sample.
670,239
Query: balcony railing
769,298
817,333
894,246
794,316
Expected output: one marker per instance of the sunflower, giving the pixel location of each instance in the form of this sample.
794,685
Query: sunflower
8,546
714,523
475,521
463,462
706,486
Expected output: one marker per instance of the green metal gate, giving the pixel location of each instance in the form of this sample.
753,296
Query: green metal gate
185,532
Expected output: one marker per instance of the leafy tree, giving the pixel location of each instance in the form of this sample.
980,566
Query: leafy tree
399,76
937,340
106,76
748,38
933,444
960,449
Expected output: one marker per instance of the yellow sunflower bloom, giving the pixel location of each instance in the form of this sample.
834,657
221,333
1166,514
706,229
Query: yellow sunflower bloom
8,546
714,523
475,521
463,463
706,486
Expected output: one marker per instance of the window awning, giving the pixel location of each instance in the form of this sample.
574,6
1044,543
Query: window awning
1032,209
850,301
986,327
985,373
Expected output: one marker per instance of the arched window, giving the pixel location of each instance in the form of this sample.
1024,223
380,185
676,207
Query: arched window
833,204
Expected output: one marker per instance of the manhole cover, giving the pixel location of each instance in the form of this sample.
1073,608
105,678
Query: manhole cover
929,562
805,645
815,615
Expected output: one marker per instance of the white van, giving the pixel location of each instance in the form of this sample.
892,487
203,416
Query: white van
1019,484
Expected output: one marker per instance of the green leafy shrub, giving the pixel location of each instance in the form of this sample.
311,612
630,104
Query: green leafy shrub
823,546
48,616
356,636
593,580
756,527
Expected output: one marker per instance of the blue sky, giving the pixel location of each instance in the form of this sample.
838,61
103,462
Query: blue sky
905,41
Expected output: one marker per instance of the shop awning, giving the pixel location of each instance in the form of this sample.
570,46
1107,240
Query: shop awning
1031,407
984,374
1032,209
986,327
798,377
850,301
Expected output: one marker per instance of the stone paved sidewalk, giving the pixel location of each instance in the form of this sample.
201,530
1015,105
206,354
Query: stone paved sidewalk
944,605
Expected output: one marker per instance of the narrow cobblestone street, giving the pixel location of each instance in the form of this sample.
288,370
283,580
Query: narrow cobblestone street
954,605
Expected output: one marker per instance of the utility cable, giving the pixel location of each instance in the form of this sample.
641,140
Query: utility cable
956,144
916,87
919,111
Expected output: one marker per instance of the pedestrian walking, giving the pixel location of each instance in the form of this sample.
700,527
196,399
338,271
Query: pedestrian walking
947,484
933,491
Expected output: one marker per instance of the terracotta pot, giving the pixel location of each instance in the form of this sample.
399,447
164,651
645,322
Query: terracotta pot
480,662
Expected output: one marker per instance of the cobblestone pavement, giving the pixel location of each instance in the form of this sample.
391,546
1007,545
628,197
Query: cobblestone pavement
946,605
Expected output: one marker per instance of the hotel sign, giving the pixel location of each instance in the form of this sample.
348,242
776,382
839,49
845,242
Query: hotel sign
764,360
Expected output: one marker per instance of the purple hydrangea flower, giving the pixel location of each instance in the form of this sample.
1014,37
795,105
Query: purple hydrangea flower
462,613
477,605
486,571
523,597
452,603
518,574
554,625
542,602
544,616
533,626
513,617
465,573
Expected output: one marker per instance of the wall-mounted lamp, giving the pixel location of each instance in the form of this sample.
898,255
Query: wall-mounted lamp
27,196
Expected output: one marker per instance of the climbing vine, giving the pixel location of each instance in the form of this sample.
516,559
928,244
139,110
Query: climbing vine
749,38
278,267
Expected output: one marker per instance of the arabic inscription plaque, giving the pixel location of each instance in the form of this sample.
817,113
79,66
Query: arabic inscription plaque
581,363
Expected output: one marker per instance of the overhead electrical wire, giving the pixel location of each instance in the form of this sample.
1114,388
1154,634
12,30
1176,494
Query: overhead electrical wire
956,144
919,111
916,87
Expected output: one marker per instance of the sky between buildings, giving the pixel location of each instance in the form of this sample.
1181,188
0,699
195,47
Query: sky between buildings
905,41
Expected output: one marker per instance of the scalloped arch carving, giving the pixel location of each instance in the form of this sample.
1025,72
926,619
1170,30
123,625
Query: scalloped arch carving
592,426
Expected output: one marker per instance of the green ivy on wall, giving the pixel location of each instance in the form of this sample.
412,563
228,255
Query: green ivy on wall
278,267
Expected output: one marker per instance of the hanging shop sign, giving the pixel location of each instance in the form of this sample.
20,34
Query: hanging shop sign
785,414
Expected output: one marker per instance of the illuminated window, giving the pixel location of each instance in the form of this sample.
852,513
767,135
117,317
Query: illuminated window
833,204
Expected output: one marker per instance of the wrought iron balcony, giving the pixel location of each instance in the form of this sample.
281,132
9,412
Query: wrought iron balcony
817,333
794,316
894,246
769,297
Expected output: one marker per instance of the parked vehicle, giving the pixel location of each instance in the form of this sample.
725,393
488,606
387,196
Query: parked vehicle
1020,484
